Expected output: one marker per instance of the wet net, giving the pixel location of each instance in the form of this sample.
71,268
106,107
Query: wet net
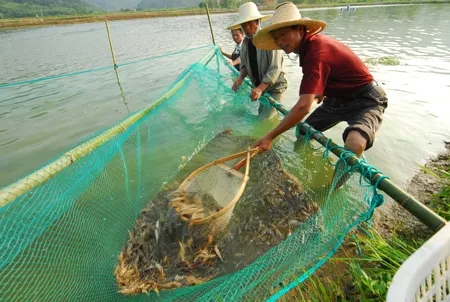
96,223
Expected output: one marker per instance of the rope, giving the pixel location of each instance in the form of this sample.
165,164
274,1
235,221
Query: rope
367,171
69,74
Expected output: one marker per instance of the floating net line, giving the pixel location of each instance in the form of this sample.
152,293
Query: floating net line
64,225
80,72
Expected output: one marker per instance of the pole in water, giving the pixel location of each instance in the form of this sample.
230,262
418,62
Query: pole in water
110,44
209,20
115,66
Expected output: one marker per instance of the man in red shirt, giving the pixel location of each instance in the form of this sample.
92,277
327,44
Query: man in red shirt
332,74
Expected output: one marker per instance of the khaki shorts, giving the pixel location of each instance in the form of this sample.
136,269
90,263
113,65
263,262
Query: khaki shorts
363,113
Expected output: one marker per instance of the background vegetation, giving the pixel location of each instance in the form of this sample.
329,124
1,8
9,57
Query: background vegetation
50,8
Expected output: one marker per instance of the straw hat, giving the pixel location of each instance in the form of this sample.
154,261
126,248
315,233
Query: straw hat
286,14
248,12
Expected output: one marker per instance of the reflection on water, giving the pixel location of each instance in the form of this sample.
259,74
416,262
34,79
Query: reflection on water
39,121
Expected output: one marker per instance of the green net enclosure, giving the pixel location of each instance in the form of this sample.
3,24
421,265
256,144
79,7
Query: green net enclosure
95,222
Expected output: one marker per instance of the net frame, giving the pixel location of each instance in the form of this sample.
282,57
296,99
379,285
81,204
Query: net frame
207,228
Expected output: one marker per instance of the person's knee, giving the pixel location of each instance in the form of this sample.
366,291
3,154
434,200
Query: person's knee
356,142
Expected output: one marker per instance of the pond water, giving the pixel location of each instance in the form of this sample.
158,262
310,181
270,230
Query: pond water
41,120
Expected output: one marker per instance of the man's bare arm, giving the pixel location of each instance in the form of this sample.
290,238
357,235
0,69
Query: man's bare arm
295,115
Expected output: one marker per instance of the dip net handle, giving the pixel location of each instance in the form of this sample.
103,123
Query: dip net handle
239,165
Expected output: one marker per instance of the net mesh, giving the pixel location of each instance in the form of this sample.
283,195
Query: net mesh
62,238
219,182
206,201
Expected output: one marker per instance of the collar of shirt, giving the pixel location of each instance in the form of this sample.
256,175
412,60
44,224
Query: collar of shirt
239,46
303,47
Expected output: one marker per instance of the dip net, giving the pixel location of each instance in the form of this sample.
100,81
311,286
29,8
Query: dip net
98,221
205,200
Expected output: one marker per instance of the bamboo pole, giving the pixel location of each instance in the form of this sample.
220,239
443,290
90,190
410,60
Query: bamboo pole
210,26
110,44
20,187
115,66
415,207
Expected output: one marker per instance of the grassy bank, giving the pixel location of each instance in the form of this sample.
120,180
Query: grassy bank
364,266
73,19
361,271
59,20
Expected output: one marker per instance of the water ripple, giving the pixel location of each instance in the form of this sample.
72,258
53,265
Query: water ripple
38,115
8,143
49,116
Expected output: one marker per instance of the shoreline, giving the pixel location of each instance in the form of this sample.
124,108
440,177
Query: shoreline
392,218
74,19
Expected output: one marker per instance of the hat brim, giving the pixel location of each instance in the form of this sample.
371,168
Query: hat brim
264,40
237,25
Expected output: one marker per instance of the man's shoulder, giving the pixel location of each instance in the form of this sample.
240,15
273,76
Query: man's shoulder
319,40
326,48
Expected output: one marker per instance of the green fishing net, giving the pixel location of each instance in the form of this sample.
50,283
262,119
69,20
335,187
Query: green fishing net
63,227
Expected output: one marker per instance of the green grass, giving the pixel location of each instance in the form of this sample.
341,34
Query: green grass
388,60
352,277
440,202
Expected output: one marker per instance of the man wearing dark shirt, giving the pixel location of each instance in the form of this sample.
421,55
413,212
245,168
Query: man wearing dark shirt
332,74
238,38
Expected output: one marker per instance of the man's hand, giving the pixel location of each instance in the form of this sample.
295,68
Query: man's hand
264,144
295,116
256,93
237,84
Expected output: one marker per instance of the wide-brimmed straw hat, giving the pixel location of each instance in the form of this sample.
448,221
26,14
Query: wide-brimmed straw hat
286,14
248,12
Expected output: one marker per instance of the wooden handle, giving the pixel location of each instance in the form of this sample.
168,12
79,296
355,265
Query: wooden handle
241,163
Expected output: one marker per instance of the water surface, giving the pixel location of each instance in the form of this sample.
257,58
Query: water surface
41,120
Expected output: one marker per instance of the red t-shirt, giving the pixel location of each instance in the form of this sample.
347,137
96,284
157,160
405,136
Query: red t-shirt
331,68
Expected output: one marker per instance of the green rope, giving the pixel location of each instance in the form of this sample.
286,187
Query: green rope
69,74
52,77
165,55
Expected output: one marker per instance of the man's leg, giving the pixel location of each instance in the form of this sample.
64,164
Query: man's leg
360,135
323,118
356,143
